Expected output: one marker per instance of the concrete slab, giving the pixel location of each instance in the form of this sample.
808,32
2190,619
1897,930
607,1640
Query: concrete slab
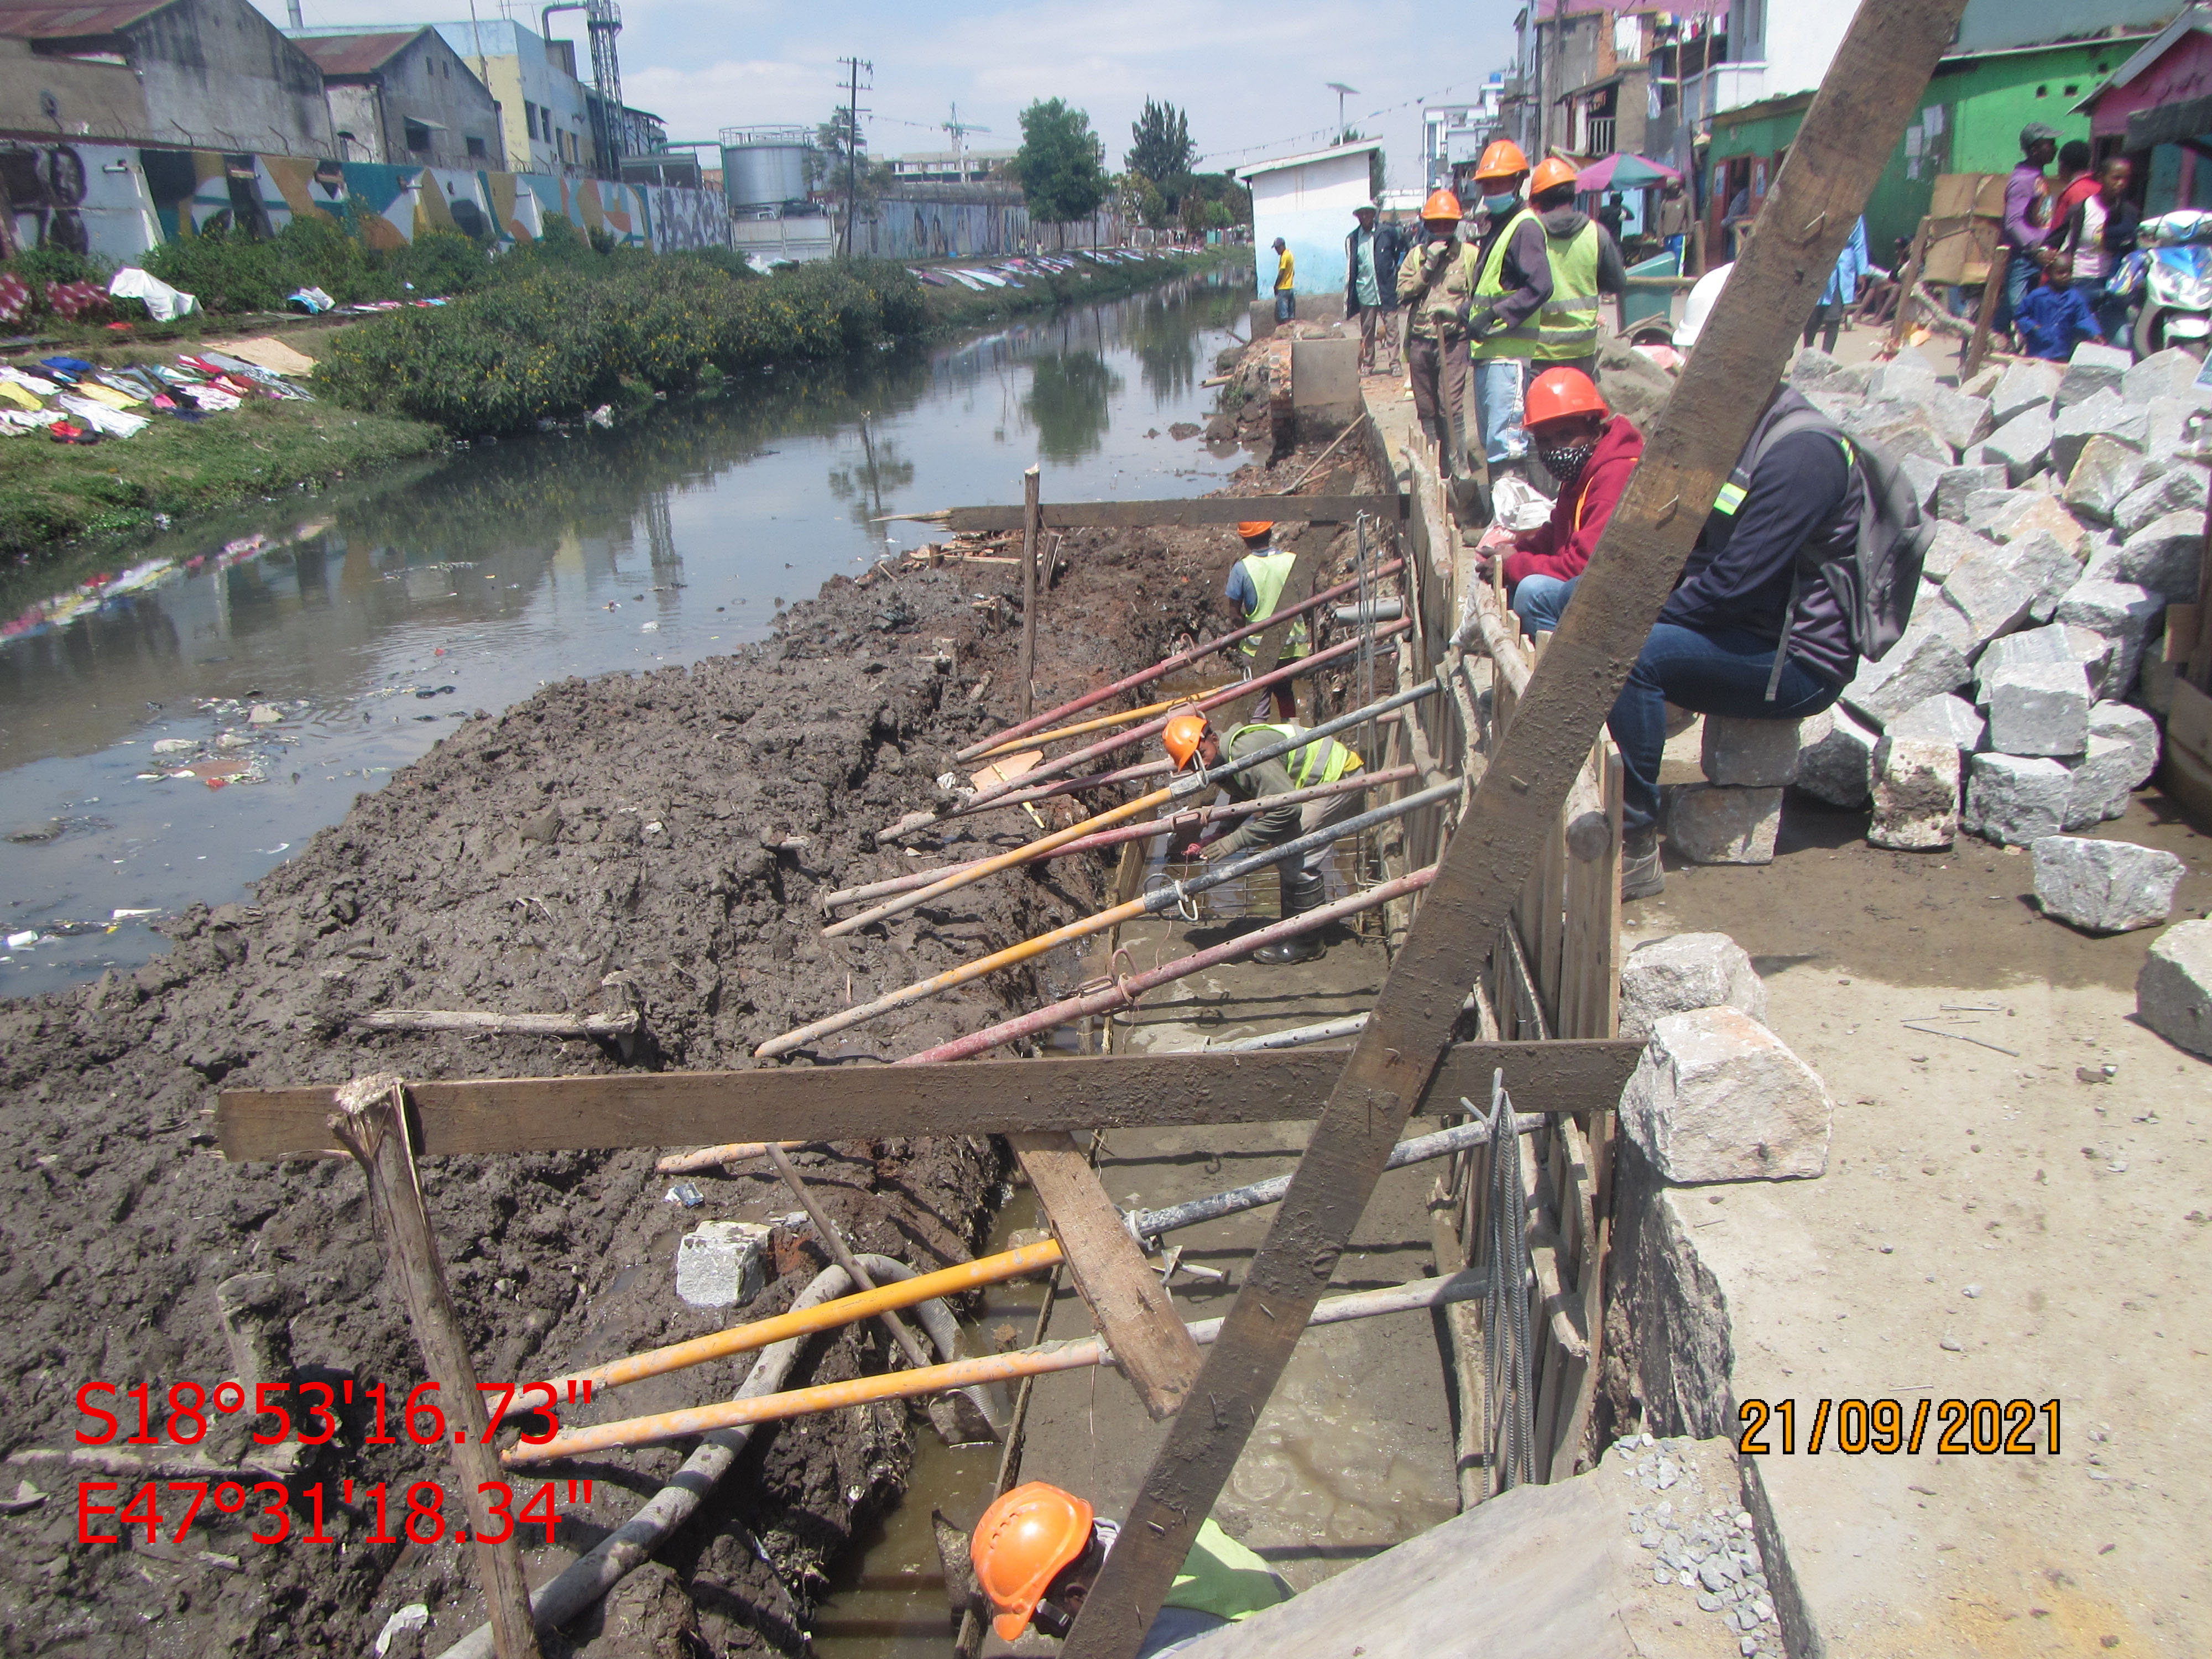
2064,1197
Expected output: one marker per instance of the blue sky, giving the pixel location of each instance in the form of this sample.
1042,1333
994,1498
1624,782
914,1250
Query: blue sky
1253,77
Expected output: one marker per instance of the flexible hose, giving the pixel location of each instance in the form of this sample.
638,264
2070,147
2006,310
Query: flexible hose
632,1544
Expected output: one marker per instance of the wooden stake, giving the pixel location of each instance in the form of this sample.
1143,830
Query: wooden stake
371,1121
840,1253
1874,82
1978,345
1032,526
1908,285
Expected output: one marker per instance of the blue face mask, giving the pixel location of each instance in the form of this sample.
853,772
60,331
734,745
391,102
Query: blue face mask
1504,204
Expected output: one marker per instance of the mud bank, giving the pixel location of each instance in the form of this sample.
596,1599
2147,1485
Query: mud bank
673,829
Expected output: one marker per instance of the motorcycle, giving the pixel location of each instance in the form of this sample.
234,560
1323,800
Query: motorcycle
2170,274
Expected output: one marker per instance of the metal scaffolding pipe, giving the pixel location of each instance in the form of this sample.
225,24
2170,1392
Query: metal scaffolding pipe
1124,992
1074,759
1188,783
1146,1225
1420,1295
1103,723
1167,666
1165,898
1104,838
1297,1037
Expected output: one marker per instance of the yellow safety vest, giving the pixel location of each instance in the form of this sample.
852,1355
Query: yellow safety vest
1566,325
1270,573
1322,760
1221,1576
1564,328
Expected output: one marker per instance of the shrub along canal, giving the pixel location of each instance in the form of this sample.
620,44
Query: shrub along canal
294,655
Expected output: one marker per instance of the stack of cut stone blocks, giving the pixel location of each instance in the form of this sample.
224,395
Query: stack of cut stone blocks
2023,701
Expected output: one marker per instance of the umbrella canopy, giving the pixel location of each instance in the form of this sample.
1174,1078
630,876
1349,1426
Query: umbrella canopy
1621,171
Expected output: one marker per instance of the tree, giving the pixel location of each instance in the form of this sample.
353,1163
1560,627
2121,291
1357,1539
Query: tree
1161,150
836,141
1060,163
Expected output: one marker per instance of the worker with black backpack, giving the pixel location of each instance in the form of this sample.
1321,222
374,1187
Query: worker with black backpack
1809,562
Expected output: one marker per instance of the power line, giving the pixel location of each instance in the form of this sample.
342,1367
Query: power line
1324,132
853,114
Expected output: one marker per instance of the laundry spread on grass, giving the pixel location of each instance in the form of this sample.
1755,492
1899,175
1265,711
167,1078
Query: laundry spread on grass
75,402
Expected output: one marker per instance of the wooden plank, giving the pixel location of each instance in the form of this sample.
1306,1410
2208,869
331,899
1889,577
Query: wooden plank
1032,523
1142,515
371,1118
1908,284
853,1102
1873,84
1128,1300
1985,314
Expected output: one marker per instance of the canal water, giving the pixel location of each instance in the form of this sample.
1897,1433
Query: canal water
243,681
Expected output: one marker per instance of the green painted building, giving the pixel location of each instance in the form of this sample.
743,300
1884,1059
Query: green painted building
1969,122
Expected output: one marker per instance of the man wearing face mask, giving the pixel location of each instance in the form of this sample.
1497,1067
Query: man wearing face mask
1592,451
1513,280
1435,283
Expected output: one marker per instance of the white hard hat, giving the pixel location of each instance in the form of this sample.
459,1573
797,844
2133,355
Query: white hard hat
1700,306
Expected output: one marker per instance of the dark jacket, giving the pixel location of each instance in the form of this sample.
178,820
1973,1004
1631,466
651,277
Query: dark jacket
1526,272
1802,497
1562,546
1390,254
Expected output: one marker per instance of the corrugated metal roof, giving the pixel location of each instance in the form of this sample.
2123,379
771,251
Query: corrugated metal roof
353,54
40,20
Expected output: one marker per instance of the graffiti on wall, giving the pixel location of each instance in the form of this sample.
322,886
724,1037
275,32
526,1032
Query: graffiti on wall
114,201
85,199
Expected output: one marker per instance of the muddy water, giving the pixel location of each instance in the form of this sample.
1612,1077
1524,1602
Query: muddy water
357,624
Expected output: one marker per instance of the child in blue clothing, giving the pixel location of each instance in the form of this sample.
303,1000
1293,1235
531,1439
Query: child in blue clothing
2054,317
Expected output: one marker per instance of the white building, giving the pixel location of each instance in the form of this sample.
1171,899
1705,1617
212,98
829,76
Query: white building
1309,201
1455,133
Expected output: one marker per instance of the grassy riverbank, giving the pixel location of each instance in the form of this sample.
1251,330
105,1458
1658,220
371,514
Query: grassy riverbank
546,345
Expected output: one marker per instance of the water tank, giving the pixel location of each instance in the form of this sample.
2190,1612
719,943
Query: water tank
765,166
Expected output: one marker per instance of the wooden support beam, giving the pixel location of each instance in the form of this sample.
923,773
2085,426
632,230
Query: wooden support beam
1032,528
1144,515
1128,1300
371,1119
871,1102
1875,81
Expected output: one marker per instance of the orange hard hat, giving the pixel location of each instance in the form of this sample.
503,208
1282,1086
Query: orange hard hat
1023,1540
1557,393
1441,204
1550,172
1252,529
1502,160
1181,736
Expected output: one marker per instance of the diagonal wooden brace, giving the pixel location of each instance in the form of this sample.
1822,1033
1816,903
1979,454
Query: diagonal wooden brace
1128,1301
1876,80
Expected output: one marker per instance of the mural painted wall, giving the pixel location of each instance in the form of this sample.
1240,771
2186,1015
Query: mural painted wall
911,229
114,201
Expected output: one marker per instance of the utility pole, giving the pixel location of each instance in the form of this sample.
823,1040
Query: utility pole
852,66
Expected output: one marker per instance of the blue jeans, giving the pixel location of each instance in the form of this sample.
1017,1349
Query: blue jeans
1286,304
1538,601
2021,274
1723,672
1498,390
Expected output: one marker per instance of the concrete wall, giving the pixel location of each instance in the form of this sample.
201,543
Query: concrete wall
218,75
87,199
427,81
520,71
1310,207
953,221
97,101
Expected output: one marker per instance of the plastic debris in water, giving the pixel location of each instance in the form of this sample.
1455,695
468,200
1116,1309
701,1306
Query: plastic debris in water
23,941
685,1193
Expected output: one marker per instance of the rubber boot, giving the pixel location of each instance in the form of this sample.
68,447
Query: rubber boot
1301,893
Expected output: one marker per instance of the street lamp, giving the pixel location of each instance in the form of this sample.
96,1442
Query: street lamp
1342,92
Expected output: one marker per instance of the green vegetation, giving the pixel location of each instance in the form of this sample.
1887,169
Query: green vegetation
49,492
1157,187
553,344
1059,163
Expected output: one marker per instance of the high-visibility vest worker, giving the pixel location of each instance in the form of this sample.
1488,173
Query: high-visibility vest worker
1564,328
1322,760
1038,1550
1256,583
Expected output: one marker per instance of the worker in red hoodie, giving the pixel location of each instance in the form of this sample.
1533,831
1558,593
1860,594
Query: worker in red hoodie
1591,451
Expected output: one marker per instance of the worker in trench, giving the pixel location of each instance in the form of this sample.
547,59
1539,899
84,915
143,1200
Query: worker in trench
1255,588
1038,1550
1191,737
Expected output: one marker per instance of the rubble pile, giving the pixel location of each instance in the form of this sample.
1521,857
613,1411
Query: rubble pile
2024,701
